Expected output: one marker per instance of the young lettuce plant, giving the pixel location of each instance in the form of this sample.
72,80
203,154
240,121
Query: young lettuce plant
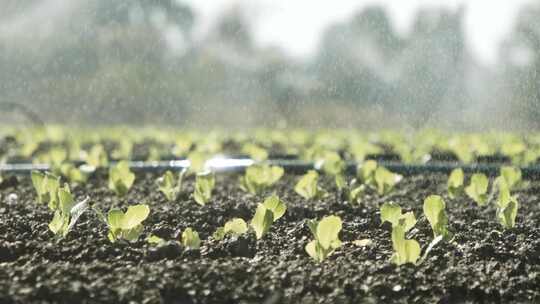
507,204
236,226
326,237
190,239
67,212
73,174
455,183
121,178
260,177
333,165
366,172
126,226
97,157
405,250
385,180
46,186
204,185
478,188
434,210
511,175
267,213
170,185
307,186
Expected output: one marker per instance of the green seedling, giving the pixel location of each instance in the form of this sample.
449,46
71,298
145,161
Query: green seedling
385,180
67,212
455,183
391,212
126,226
170,185
197,161
333,165
256,152
97,157
307,186
73,174
236,226
366,172
355,192
267,213
478,188
204,185
405,251
190,239
46,186
434,210
260,177
326,234
511,175
155,240
507,204
121,178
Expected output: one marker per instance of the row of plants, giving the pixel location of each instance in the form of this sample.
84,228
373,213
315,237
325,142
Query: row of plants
127,226
56,145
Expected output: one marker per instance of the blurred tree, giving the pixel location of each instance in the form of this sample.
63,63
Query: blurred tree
355,61
521,59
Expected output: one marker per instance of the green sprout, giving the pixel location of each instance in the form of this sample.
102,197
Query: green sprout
455,183
511,175
307,186
478,188
97,157
326,234
333,165
267,213
121,178
366,172
73,174
236,226
190,239
170,185
507,204
354,191
255,152
260,177
154,240
126,226
405,251
204,184
385,180
67,212
434,210
46,186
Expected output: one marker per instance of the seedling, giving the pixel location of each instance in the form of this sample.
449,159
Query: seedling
307,186
355,192
507,204
171,186
477,189
267,213
326,234
260,177
455,183
46,186
333,165
256,152
434,210
385,180
405,251
127,226
97,157
190,239
391,212
155,240
511,175
121,178
73,174
204,184
366,172
236,226
67,212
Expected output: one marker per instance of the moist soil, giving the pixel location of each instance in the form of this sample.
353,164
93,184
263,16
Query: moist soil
482,264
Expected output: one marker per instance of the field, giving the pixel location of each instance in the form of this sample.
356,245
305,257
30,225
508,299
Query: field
484,248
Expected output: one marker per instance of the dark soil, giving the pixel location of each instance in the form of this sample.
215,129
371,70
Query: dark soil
484,264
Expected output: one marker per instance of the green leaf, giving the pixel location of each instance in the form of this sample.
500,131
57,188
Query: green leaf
313,250
235,226
391,212
65,199
219,234
508,214
328,230
477,189
155,240
366,172
133,233
121,178
405,251
169,186
276,206
204,184
134,216
115,218
260,177
434,209
57,222
511,175
190,239
455,183
307,185
262,220
385,180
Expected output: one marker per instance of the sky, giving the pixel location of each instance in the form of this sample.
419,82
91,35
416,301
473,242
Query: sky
296,25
